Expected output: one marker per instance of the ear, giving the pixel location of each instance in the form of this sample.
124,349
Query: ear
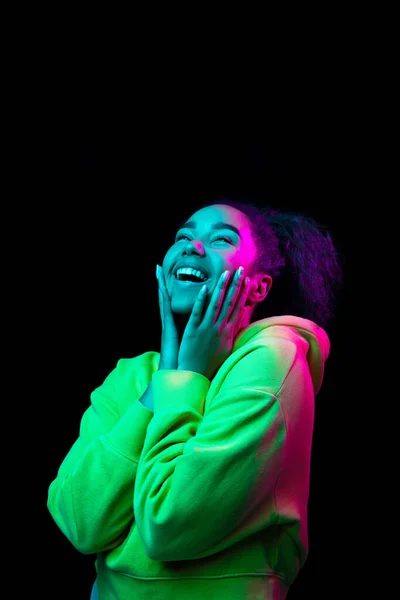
260,285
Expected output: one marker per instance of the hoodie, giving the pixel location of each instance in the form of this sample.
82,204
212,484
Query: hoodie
206,496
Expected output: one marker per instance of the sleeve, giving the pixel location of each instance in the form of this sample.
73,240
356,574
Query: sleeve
201,475
91,498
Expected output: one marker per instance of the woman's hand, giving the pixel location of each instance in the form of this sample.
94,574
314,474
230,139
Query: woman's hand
169,337
209,334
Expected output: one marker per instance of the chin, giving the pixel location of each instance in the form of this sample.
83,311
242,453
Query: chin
181,307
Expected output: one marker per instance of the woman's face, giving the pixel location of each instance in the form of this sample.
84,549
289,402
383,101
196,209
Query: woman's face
214,239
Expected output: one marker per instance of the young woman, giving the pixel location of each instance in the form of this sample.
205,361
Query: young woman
190,476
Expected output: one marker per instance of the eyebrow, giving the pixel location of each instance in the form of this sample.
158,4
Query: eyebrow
219,225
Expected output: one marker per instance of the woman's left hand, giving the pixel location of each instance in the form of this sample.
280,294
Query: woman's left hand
209,334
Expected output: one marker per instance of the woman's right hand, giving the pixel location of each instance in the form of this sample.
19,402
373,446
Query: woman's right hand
169,338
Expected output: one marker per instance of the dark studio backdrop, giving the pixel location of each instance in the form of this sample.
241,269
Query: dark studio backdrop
112,203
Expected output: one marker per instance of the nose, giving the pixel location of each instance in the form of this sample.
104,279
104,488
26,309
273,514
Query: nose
194,247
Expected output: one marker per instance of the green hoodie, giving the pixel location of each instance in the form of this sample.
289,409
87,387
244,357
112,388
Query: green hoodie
207,497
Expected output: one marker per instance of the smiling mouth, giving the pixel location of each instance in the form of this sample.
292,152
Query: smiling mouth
189,275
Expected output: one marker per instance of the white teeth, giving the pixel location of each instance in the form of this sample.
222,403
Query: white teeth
190,271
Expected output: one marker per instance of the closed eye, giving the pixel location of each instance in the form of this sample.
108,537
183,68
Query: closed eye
184,236
224,239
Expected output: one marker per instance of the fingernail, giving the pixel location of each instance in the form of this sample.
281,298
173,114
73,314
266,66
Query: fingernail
239,272
157,271
225,275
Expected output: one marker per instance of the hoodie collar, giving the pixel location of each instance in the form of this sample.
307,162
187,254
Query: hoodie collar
310,337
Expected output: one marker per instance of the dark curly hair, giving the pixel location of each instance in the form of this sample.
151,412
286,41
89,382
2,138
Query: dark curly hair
300,256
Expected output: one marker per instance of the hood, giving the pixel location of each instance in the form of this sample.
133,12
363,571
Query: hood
308,335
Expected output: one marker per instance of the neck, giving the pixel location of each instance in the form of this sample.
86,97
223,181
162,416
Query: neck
246,319
180,322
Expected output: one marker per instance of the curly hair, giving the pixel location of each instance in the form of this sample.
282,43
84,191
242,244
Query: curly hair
301,257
